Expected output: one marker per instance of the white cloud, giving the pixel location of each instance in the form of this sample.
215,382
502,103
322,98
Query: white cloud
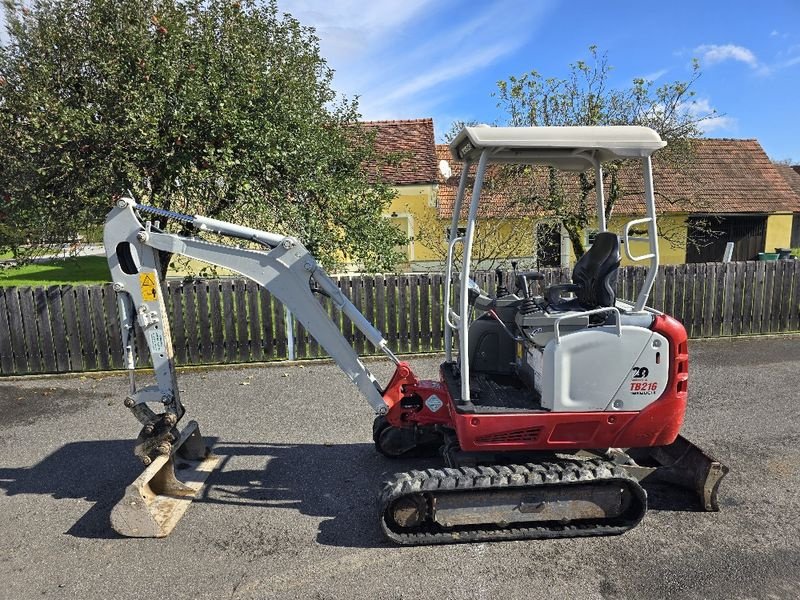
400,56
711,54
655,75
711,122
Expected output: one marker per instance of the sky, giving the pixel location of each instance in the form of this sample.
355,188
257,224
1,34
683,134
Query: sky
409,59
443,58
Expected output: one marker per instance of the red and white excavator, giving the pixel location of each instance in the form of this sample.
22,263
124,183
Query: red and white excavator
549,410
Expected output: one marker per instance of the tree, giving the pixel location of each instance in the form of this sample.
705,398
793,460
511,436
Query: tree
585,97
201,106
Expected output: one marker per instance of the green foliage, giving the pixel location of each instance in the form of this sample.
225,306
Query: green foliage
584,97
202,106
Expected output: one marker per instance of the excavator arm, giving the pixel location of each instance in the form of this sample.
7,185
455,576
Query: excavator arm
284,267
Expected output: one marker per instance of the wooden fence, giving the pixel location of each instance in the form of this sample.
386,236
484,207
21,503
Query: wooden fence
75,328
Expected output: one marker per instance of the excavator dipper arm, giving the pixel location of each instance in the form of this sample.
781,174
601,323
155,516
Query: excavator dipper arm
155,501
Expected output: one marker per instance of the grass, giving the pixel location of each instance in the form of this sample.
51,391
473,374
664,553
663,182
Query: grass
89,270
83,269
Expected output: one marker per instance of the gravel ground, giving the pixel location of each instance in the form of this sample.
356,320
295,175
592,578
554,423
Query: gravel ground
292,511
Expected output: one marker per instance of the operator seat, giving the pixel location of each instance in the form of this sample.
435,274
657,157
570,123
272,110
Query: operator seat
594,277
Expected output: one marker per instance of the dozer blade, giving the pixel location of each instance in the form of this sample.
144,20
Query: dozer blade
683,464
155,502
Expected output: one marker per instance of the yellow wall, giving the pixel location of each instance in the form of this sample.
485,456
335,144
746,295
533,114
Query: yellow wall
779,232
413,211
417,203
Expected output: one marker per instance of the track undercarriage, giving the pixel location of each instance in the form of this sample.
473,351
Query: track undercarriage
480,497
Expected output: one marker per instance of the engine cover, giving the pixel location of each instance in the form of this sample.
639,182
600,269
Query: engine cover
597,370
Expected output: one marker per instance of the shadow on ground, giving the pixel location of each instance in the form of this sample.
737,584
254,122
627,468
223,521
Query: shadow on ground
339,483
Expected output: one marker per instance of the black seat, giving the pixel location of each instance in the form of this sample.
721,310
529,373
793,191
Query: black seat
594,277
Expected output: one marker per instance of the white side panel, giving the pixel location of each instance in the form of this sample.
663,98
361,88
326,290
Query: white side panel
587,369
647,379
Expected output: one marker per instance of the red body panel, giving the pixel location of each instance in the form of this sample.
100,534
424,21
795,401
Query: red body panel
658,424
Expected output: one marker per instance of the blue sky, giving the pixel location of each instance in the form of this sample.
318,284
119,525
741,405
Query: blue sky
442,58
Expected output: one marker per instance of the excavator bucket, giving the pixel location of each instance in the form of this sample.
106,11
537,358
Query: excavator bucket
155,502
683,464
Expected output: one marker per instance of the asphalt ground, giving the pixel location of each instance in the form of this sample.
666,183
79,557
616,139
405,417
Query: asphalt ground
292,511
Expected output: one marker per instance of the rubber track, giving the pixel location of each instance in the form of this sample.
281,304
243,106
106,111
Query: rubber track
530,475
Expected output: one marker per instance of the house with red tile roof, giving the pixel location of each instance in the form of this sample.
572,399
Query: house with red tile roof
410,166
729,186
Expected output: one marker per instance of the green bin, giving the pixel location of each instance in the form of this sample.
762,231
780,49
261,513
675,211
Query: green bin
763,256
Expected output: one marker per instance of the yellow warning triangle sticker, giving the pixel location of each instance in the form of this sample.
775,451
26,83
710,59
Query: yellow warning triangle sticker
148,285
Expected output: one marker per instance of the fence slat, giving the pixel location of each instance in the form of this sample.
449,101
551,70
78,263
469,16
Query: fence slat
46,341
769,282
254,321
348,330
112,327
217,321
657,295
204,323
31,335
380,304
82,304
402,313
698,298
177,328
759,283
794,306
98,319
677,302
747,302
424,313
279,326
738,298
777,298
719,301
357,290
786,294
413,313
267,331
6,351
17,331
228,321
437,341
709,274
76,359
391,312
190,323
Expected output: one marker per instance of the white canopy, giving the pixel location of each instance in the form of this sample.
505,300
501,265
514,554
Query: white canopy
569,148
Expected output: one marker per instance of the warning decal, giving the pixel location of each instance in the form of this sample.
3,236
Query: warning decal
434,403
148,284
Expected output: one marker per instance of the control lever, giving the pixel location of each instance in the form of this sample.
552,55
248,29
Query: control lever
502,290
523,281
528,305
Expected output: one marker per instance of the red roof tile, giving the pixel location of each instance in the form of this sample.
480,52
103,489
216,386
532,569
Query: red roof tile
410,147
723,176
791,175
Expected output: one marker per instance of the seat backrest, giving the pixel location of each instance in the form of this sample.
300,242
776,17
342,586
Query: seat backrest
596,272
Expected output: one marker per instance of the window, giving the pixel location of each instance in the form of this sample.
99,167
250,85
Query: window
462,231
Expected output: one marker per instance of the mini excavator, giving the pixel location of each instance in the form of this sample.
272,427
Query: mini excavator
550,411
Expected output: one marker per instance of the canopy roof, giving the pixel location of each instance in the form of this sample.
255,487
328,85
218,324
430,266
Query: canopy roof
568,148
